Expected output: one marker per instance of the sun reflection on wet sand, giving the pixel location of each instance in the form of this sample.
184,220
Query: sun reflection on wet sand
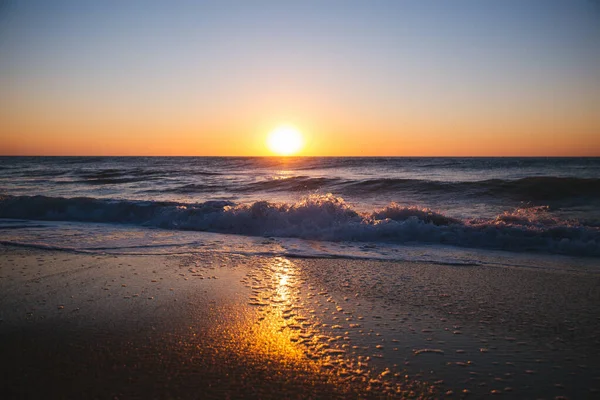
288,327
276,327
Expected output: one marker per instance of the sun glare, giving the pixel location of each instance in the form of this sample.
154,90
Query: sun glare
285,140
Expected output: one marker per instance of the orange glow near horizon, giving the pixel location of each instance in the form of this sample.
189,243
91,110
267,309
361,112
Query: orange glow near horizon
322,138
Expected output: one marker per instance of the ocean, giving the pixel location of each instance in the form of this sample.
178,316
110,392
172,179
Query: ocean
433,209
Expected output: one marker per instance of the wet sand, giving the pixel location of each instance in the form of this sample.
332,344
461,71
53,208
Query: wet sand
227,326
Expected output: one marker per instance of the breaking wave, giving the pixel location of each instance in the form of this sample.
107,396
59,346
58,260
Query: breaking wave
324,217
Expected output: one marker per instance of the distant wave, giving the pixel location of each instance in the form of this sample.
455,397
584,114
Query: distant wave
193,188
295,183
324,217
110,181
378,185
115,176
44,173
118,176
547,189
531,188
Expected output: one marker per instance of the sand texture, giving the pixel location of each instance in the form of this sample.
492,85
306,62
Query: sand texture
229,326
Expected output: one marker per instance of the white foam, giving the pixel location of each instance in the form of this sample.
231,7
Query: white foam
324,218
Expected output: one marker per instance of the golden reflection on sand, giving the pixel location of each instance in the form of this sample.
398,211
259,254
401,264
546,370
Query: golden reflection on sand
305,327
295,329
286,329
275,331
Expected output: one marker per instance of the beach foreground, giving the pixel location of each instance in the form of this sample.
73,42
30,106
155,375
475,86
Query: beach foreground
221,325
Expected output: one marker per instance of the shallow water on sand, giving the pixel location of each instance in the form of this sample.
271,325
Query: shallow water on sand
95,238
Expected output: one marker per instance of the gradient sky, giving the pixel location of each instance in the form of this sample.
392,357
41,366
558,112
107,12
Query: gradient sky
509,77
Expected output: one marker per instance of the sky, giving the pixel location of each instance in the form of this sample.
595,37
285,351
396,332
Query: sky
357,78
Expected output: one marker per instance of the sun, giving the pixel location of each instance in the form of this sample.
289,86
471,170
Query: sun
285,140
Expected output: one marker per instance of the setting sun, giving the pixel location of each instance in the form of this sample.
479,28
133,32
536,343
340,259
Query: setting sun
285,140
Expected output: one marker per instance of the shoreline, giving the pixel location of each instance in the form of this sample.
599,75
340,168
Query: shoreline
262,327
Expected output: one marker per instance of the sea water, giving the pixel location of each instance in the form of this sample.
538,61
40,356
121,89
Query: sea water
431,209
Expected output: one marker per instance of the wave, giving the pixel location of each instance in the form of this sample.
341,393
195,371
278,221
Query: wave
110,181
531,189
398,184
116,172
192,188
324,217
112,176
43,173
525,189
294,183
546,187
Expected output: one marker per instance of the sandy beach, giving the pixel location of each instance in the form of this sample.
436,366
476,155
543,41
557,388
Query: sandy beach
229,326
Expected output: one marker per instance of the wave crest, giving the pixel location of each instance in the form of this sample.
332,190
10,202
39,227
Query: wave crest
324,217
400,213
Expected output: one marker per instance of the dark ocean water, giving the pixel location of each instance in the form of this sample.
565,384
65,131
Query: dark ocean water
542,205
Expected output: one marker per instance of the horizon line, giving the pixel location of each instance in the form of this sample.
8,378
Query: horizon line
305,156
